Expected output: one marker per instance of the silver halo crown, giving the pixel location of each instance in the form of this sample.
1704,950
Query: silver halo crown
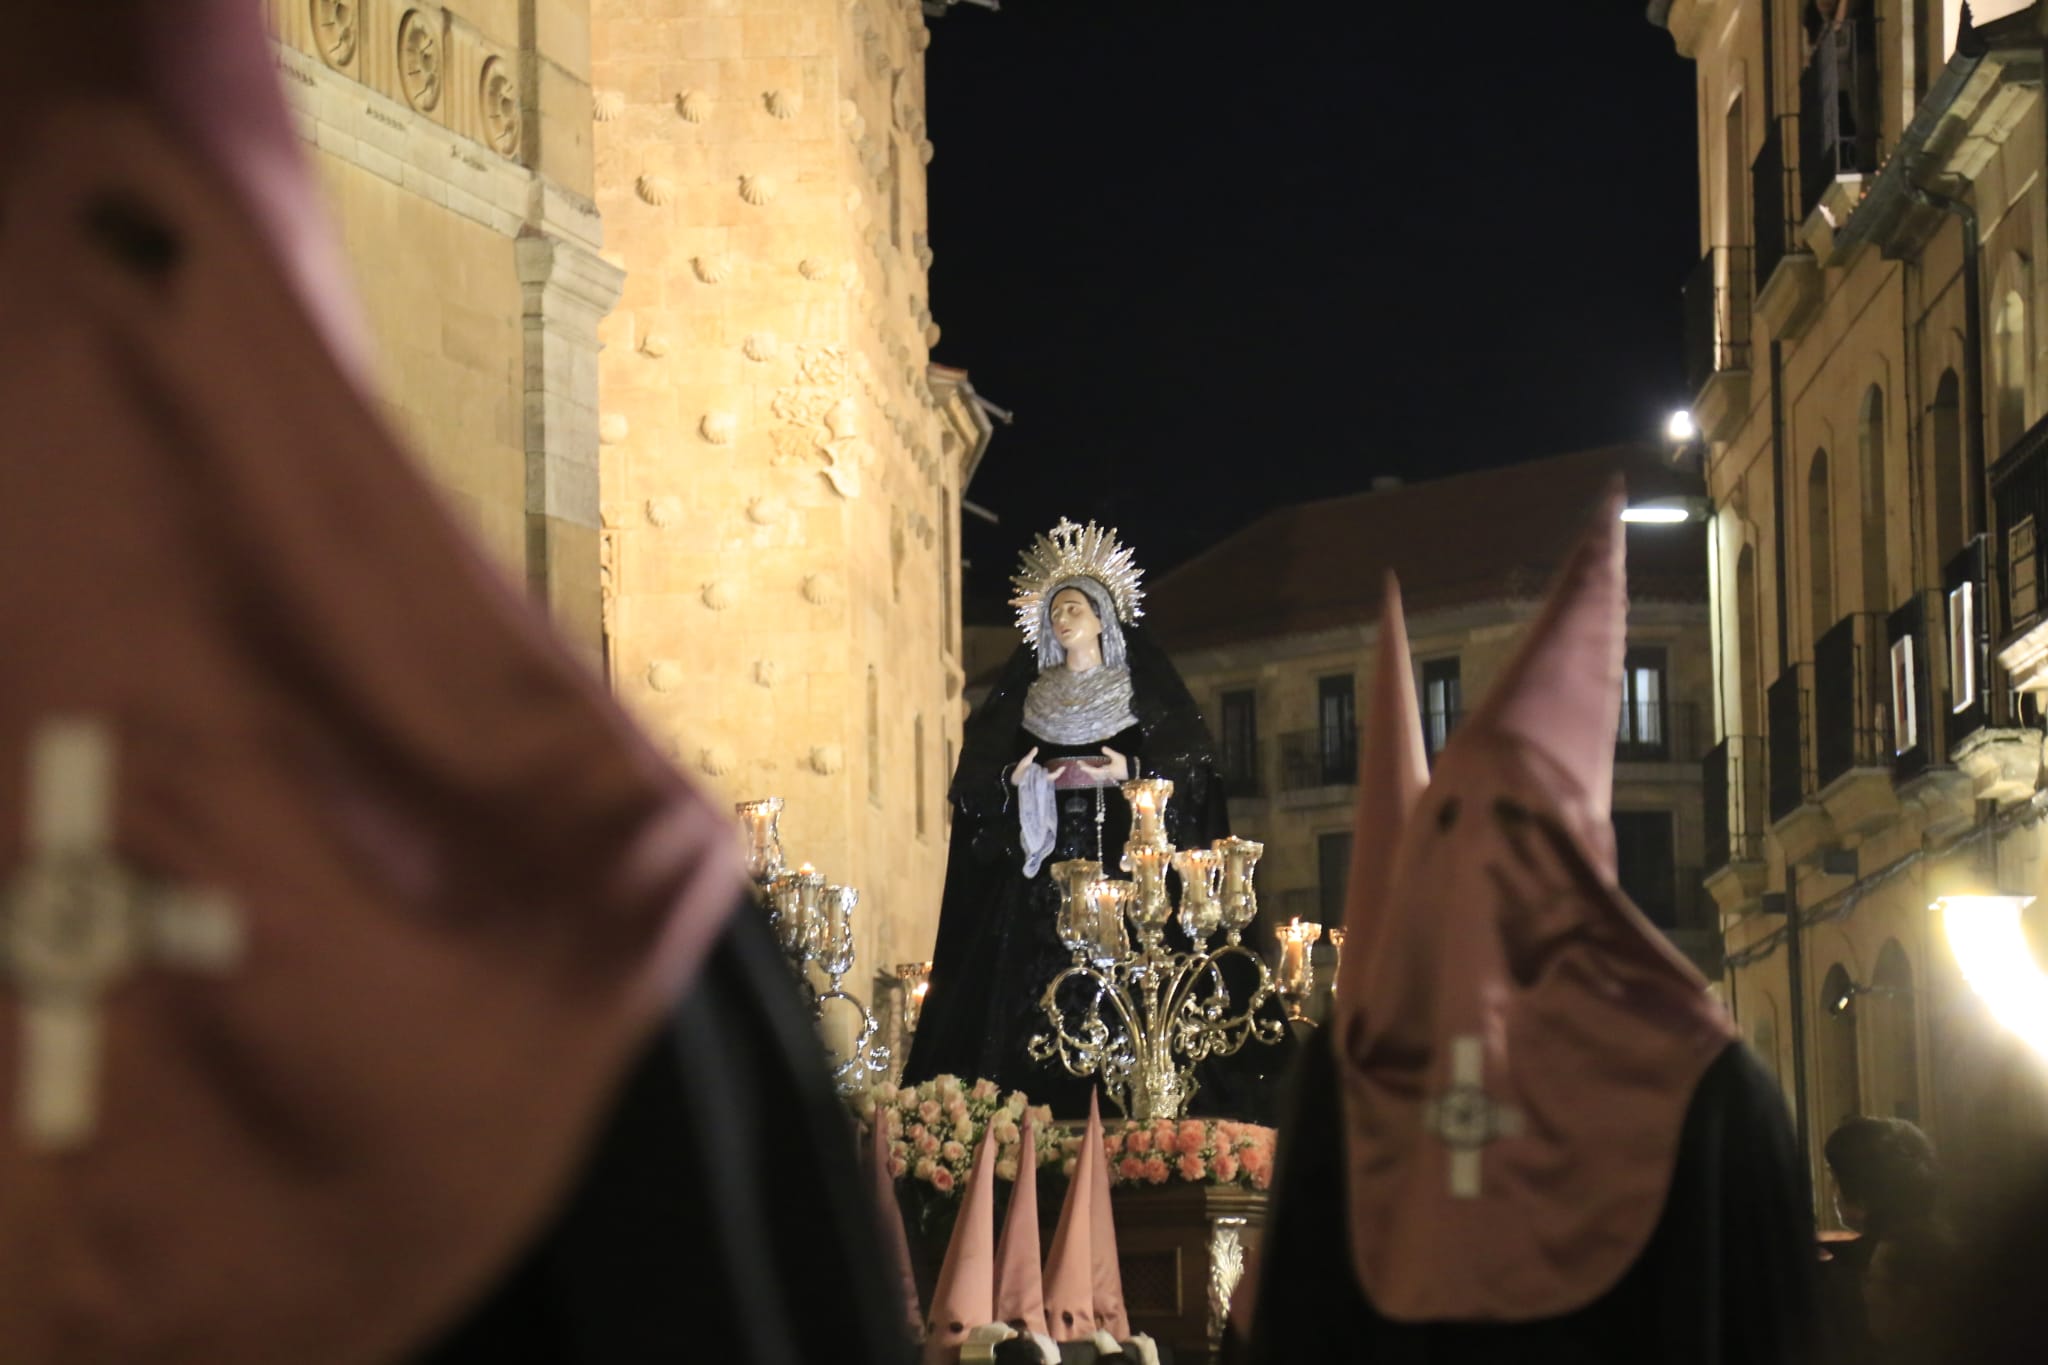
1072,551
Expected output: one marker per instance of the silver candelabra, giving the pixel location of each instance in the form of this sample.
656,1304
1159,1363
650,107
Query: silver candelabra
813,922
1139,1012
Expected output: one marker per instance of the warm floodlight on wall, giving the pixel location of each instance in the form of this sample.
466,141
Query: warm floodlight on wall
1679,428
1990,945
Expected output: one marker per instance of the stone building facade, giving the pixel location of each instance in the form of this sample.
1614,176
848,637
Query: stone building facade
781,465
647,280
1862,346
1275,631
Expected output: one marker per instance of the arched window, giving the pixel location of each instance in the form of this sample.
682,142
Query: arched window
874,737
2009,368
1744,717
917,771
1893,1034
1841,1087
1820,545
1945,433
1877,594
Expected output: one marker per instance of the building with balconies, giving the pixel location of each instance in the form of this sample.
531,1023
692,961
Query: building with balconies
1275,627
1867,392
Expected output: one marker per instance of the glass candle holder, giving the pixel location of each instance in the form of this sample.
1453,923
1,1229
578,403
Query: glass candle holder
1335,935
1071,877
1148,797
1240,861
1201,907
917,982
1297,973
1150,906
761,822
1103,903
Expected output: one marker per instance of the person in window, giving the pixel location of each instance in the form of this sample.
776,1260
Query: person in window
1887,1186
1084,704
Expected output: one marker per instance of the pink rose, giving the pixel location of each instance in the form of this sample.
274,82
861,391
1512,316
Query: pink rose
923,1169
1226,1132
897,1166
963,1129
953,1152
1225,1166
984,1090
1131,1168
1042,1117
956,1109
942,1180
929,1111
1164,1134
1016,1104
1005,1131
948,1088
1155,1169
1190,1168
1006,1168
1191,1138
1138,1141
1113,1146
893,1122
913,1131
927,1143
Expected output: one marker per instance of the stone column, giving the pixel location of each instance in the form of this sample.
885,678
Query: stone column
567,290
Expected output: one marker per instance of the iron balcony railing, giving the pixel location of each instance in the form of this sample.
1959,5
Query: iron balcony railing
2019,501
1658,732
1242,773
1789,769
1772,194
1318,758
1851,697
1717,300
1735,815
1838,108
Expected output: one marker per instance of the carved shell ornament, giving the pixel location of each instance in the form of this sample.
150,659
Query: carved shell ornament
757,189
336,24
607,106
715,760
498,99
719,428
760,347
783,104
664,512
664,675
826,759
419,60
693,106
654,345
821,589
767,672
655,189
712,269
765,510
717,594
852,119
815,269
612,428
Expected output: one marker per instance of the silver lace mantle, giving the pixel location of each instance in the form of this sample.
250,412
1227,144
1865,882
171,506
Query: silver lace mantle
1065,707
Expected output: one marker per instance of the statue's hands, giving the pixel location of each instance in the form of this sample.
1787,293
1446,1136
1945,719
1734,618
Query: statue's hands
1023,766
1119,769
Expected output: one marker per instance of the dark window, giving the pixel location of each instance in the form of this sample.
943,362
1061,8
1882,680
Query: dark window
1442,700
1333,874
1645,731
1240,740
1337,729
1643,848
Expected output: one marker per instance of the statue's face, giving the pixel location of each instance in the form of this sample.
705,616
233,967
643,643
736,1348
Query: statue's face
1074,621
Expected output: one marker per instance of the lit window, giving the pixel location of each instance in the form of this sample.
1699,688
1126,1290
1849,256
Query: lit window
1962,645
1905,696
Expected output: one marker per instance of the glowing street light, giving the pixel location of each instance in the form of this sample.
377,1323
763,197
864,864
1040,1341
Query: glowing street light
1985,934
1679,427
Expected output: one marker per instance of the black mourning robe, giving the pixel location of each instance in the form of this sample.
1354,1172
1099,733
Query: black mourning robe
998,944
1726,1279
721,1216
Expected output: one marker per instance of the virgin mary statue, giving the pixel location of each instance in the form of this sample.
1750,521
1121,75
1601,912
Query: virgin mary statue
1086,703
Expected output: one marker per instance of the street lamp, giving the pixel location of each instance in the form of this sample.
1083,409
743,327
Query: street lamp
1680,429
1671,511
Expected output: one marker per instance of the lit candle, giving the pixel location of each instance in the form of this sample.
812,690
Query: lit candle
1148,797
764,838
1150,905
1297,973
1103,918
1200,914
785,901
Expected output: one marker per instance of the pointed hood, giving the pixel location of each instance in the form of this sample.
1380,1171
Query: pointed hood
1106,1274
1393,769
1070,1269
895,1244
1020,1279
965,1296
1560,694
1520,1049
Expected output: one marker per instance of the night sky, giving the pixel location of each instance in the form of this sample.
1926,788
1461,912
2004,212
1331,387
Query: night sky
1221,256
